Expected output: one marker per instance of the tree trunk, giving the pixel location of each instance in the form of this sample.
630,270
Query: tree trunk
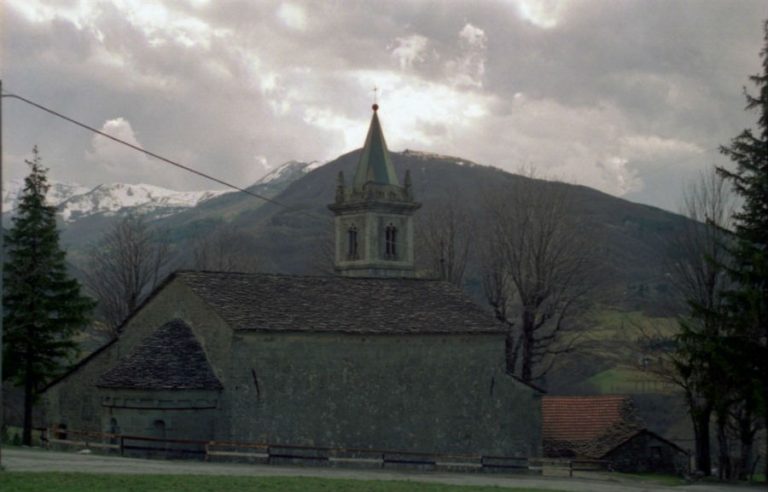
747,438
26,438
723,458
527,364
509,352
700,419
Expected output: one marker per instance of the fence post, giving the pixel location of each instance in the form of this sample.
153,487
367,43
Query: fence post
122,445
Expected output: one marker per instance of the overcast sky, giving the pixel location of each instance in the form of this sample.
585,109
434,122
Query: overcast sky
630,97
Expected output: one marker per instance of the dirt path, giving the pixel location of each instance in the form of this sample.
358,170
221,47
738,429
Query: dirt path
37,460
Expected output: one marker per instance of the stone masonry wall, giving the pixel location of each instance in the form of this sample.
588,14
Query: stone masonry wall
445,394
76,402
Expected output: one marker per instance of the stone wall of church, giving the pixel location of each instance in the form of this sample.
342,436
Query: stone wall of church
429,393
75,401
164,414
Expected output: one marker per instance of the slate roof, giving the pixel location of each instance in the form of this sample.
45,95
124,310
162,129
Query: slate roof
170,358
375,165
588,426
270,302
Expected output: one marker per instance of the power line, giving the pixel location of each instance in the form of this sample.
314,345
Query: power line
150,153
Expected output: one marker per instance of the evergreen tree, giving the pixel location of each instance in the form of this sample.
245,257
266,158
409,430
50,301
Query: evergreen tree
43,306
747,305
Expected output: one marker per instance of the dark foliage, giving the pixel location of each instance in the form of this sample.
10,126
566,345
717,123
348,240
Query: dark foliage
43,306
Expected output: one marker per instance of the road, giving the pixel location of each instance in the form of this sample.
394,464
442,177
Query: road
38,460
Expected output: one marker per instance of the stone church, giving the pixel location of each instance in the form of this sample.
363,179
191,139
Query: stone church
371,358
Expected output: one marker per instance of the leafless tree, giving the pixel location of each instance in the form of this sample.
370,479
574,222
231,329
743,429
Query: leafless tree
445,237
124,267
536,272
696,258
225,249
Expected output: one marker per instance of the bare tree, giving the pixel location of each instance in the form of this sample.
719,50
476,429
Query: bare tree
696,258
445,237
226,249
536,272
124,267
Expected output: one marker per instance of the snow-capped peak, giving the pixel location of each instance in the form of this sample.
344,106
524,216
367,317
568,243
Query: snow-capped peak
288,171
75,202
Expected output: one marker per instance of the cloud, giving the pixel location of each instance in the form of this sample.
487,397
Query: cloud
116,161
292,16
468,69
409,50
615,95
542,13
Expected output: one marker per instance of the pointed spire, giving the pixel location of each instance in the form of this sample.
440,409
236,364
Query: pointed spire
375,165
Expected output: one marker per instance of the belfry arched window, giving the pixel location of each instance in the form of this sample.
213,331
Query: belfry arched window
352,243
390,241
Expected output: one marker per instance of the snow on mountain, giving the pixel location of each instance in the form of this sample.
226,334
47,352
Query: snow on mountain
57,193
289,171
432,156
75,202
142,198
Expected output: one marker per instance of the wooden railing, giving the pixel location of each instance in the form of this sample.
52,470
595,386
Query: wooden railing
272,453
570,465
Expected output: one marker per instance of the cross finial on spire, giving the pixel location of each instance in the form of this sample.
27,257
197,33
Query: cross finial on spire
375,98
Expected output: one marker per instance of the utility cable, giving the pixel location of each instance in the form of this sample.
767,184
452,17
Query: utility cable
152,154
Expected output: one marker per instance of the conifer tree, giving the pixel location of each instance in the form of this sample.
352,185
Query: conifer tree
748,301
43,306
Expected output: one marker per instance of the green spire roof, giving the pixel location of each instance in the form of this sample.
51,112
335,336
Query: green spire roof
375,165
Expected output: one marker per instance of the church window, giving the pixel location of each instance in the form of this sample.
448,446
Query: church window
352,243
390,237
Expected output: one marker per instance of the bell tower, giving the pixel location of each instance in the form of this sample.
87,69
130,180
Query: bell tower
374,216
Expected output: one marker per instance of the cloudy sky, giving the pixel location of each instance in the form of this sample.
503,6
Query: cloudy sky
630,97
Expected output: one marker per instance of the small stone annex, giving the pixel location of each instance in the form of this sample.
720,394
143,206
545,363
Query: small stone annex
606,428
371,358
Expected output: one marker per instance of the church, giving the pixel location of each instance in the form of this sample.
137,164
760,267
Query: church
370,358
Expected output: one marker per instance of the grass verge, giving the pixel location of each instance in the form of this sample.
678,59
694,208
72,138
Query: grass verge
78,482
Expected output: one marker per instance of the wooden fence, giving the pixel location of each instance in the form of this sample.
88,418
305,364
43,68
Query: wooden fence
294,454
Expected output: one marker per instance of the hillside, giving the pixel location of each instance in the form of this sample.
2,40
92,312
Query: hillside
629,239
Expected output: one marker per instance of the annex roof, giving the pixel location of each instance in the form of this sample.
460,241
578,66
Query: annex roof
586,425
283,303
170,358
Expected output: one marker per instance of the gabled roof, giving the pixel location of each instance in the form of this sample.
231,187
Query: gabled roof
375,165
586,425
171,358
291,303
578,418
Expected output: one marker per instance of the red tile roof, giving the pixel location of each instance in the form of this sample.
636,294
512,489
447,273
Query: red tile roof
582,418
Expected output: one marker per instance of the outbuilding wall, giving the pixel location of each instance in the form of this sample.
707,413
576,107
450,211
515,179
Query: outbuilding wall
646,453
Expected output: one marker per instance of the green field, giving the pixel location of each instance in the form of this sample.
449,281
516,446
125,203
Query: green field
78,482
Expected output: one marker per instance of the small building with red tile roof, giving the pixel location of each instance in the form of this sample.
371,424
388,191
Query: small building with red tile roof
605,427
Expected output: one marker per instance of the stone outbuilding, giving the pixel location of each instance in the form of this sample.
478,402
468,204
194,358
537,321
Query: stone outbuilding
606,428
372,358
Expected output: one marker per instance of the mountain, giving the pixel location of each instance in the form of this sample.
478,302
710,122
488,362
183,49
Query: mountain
629,239
292,235
85,213
74,202
58,193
